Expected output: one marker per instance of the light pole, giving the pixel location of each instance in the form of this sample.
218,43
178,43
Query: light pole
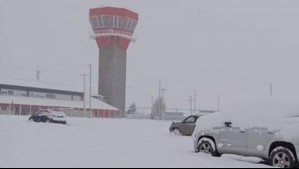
84,97
160,84
195,100
271,88
219,100
90,81
191,100
162,107
152,101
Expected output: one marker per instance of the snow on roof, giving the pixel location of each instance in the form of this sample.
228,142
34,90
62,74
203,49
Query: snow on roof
41,85
95,104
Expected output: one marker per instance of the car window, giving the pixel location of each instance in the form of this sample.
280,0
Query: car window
190,120
41,113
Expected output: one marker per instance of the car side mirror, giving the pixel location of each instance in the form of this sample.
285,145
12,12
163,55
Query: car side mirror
228,124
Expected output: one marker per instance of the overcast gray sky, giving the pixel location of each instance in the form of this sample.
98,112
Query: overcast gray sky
229,47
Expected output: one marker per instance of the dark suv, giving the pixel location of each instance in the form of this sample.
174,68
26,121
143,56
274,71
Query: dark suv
186,127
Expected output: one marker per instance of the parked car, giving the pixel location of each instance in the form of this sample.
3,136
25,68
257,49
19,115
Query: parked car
277,144
49,116
186,127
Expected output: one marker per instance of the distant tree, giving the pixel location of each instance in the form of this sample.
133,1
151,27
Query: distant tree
132,109
158,109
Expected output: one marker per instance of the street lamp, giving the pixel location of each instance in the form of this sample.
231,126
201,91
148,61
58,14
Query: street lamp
90,81
219,102
84,97
160,84
191,105
195,100
271,88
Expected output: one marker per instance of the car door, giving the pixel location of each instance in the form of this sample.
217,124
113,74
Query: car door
189,125
258,141
233,140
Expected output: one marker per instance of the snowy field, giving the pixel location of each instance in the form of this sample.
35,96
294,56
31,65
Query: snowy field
102,143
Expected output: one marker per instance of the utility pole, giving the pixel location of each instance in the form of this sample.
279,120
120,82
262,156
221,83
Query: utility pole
152,101
219,100
195,100
271,88
191,105
162,107
90,81
84,97
159,96
38,75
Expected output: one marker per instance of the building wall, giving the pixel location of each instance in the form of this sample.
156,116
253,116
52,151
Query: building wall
112,75
24,110
10,90
22,100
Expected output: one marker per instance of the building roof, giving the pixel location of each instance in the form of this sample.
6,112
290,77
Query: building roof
41,85
95,103
113,11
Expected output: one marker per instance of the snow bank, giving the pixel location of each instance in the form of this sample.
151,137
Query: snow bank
100,143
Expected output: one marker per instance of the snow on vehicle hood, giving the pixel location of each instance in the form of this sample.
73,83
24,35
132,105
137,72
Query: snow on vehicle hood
275,116
58,113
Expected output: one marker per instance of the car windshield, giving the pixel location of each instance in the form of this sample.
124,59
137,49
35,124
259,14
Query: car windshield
43,112
190,120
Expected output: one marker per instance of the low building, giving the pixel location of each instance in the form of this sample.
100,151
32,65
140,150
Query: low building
27,99
173,116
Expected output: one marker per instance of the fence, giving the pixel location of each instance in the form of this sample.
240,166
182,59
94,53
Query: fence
22,110
139,115
170,114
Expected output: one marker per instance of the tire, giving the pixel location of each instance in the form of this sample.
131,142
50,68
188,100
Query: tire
37,119
283,158
207,146
48,121
176,132
44,119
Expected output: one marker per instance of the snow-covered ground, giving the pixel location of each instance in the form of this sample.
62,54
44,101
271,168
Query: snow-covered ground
101,143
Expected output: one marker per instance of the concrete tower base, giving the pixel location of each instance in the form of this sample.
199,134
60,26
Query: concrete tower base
112,75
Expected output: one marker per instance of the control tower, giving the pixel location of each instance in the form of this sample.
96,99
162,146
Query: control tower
113,31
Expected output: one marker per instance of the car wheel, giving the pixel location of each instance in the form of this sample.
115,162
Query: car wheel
283,158
37,119
48,121
176,132
31,119
207,146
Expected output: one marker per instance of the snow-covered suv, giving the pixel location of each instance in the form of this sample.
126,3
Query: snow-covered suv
263,134
49,116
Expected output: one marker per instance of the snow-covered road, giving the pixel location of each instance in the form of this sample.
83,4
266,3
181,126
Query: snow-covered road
101,143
